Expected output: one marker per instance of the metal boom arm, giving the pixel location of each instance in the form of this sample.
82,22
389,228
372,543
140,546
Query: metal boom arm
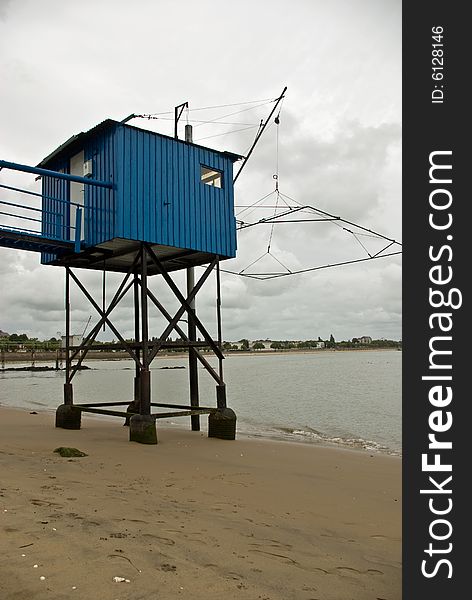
279,100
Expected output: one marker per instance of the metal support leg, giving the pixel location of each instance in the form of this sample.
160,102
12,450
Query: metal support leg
68,365
68,394
192,357
135,404
218,318
137,383
221,396
145,392
222,423
142,426
67,415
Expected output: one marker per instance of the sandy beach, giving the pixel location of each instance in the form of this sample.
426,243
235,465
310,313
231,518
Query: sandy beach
192,518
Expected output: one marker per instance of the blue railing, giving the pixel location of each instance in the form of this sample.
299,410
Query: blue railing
53,221
4,164
58,223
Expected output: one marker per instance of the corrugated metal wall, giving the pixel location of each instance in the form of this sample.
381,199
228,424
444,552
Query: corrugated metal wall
161,199
55,214
99,221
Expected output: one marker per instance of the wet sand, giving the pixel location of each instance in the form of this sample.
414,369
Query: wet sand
192,518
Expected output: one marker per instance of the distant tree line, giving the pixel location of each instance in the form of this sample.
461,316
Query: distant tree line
331,343
18,342
373,344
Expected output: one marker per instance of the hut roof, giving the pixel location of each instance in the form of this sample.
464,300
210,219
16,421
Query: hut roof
76,142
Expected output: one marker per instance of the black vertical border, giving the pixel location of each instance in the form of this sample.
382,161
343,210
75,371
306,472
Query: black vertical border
430,127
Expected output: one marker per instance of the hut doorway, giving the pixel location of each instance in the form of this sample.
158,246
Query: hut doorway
76,167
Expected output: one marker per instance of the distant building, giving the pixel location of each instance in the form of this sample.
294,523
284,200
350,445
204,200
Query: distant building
74,340
365,339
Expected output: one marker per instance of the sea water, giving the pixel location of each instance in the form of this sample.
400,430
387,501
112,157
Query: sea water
347,398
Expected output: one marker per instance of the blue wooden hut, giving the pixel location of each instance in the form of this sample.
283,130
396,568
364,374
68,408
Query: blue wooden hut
175,195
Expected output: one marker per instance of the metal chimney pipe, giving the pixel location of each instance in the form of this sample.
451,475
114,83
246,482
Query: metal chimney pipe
188,133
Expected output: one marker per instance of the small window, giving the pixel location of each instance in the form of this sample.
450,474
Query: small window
211,177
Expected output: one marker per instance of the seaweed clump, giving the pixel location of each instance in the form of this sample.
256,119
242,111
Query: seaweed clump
69,452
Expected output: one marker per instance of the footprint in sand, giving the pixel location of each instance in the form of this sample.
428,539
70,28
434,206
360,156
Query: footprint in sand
358,571
38,502
136,521
164,540
379,536
278,556
262,543
93,523
377,560
191,536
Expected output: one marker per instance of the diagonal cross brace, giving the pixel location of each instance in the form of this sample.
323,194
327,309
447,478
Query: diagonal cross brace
85,346
186,305
105,318
184,336
119,295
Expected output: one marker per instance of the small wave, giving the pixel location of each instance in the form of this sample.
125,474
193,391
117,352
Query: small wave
310,435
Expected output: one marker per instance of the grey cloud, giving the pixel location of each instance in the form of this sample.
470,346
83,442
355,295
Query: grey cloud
4,9
339,144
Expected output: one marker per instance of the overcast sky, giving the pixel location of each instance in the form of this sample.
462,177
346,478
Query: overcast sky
66,66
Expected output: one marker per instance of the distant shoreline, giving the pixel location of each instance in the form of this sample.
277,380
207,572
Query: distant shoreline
50,357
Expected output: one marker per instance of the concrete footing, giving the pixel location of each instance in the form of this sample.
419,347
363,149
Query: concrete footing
222,424
142,429
68,416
